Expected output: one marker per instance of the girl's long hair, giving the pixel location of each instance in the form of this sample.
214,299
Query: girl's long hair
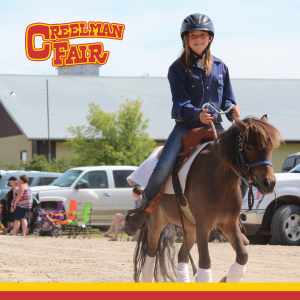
186,60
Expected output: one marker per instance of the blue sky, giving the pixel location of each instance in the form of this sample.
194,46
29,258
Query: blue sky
255,39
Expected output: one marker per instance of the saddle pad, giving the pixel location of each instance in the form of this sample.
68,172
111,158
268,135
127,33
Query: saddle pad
142,174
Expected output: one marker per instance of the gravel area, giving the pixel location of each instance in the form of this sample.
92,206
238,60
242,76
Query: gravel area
46,259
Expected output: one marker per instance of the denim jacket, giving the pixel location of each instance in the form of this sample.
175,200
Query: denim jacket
191,91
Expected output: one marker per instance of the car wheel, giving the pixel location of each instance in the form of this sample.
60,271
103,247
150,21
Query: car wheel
37,229
285,226
259,239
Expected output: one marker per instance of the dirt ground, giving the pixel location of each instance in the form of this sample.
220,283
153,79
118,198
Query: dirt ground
46,259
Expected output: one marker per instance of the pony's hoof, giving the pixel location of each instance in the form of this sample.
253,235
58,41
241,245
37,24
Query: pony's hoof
223,279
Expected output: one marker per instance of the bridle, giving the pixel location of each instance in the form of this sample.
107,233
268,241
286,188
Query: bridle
248,177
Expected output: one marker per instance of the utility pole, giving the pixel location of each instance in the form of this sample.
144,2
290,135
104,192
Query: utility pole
49,144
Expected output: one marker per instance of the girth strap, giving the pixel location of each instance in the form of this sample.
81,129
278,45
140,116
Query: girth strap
178,194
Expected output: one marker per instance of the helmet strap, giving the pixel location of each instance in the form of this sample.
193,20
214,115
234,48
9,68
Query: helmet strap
195,57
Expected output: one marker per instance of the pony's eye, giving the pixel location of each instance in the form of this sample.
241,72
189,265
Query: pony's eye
248,148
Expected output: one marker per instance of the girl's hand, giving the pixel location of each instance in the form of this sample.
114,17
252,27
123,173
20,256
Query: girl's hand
11,209
205,117
236,111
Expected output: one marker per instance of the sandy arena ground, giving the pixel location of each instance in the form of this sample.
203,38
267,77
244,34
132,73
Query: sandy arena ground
46,259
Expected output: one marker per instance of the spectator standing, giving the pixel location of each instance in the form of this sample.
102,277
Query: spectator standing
3,213
21,205
10,195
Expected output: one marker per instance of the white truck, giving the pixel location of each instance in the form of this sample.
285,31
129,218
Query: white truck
277,217
106,187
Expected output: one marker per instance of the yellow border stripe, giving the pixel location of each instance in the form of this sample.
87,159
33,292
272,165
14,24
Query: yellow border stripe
149,286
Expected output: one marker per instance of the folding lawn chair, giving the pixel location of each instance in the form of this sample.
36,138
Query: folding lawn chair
71,217
83,224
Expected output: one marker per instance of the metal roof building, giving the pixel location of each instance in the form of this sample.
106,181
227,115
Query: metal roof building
23,95
23,98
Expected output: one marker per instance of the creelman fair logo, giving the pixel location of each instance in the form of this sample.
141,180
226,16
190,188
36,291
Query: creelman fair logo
56,38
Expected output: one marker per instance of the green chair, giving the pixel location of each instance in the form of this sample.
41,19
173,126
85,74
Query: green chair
83,224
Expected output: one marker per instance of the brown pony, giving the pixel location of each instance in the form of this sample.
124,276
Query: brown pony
215,200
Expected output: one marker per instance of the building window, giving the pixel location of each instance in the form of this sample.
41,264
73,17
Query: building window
24,156
42,148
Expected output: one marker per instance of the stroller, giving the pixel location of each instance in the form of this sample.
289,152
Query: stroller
44,225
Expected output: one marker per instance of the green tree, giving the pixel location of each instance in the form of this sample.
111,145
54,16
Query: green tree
40,163
10,166
62,164
118,138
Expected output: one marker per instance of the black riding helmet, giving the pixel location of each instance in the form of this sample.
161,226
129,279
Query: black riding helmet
197,22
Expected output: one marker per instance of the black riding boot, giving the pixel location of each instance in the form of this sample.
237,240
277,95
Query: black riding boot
138,220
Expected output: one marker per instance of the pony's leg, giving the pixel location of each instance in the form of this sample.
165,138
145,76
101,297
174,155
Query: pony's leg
148,270
204,272
183,257
156,224
238,268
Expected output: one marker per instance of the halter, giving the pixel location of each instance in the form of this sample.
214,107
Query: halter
248,177
251,179
243,157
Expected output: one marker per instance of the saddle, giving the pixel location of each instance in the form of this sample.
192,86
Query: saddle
193,138
190,141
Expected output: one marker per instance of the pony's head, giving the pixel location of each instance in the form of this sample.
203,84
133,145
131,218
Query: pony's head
258,139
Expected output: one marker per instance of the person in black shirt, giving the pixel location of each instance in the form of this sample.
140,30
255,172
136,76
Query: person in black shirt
9,197
3,214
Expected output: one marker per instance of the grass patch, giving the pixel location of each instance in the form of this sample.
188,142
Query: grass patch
96,233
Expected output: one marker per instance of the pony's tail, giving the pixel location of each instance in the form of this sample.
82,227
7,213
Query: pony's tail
139,256
165,267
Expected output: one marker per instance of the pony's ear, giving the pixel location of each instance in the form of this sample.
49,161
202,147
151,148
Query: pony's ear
265,118
242,126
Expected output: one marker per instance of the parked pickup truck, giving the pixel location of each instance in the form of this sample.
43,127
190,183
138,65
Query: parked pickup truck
106,187
278,215
290,162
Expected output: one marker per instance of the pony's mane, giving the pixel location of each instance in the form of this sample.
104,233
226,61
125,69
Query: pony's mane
267,137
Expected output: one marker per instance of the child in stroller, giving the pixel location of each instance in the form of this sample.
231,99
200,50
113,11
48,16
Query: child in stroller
43,225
